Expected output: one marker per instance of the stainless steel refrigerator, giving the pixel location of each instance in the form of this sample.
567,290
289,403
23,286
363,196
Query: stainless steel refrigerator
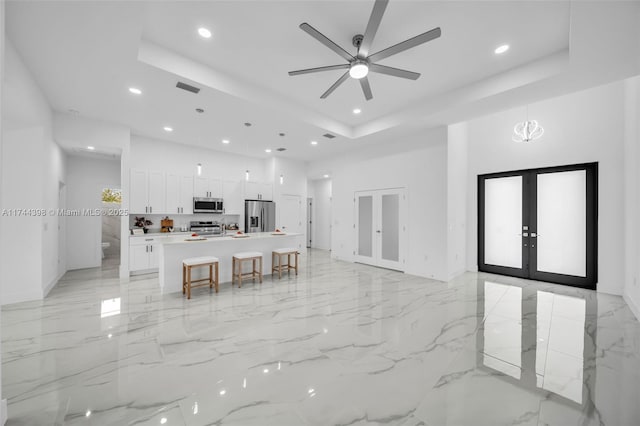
259,216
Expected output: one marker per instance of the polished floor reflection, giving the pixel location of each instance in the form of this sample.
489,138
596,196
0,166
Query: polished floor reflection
341,344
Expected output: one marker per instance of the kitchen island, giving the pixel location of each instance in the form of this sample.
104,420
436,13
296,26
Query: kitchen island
174,250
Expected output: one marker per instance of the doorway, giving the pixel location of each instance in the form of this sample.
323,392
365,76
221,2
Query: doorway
110,234
380,229
540,224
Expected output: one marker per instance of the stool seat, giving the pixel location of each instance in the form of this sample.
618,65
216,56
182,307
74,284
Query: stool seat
247,255
285,250
256,270
193,262
202,260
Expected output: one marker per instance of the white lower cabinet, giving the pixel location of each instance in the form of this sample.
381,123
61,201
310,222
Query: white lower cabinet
143,253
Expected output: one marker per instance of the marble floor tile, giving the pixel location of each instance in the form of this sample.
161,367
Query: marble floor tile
339,344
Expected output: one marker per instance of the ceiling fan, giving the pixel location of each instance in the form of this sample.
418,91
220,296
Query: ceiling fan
359,66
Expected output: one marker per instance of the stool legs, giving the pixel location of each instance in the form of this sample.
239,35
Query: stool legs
188,282
279,265
256,270
218,280
212,280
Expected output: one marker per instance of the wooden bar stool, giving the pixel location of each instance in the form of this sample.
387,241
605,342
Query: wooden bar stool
238,258
187,264
280,253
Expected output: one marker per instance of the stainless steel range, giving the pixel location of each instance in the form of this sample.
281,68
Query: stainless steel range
206,228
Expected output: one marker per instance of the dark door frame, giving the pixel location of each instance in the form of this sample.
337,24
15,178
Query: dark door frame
529,218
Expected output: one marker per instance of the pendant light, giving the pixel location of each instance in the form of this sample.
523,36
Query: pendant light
527,131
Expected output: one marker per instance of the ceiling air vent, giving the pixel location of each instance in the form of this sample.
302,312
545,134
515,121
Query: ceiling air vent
329,136
187,87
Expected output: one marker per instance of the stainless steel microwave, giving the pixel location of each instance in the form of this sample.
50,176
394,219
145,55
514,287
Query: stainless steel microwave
207,205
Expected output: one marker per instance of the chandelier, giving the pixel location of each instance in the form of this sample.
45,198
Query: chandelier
527,131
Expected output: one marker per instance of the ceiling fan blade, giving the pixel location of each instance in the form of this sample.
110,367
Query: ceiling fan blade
335,85
324,40
407,44
396,72
372,27
366,88
320,69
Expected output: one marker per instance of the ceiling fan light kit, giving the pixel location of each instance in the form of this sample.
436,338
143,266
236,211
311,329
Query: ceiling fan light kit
359,66
359,69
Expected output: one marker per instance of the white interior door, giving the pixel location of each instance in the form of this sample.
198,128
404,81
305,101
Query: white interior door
380,227
291,214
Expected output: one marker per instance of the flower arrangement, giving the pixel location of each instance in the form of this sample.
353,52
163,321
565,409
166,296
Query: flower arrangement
141,222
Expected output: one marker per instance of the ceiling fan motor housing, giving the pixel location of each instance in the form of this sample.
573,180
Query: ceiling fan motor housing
357,40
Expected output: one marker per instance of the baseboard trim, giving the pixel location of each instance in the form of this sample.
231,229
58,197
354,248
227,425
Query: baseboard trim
632,305
52,284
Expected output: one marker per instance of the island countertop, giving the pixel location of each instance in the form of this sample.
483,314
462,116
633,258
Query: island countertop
183,239
175,249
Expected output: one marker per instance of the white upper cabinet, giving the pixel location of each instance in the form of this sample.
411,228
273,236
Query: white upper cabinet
266,191
139,195
147,191
208,187
232,195
258,191
179,193
186,194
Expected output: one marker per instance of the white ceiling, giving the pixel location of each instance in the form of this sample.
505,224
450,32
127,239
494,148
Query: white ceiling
85,55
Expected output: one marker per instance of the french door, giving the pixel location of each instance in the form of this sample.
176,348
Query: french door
380,227
540,224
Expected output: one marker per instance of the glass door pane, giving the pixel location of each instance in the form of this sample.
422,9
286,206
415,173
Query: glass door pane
365,225
390,227
562,222
503,221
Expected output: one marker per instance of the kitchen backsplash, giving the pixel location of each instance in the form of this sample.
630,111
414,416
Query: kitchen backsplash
183,220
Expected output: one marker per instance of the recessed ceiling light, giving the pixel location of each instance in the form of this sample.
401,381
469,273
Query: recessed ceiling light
501,49
314,142
168,129
135,90
357,110
204,32
325,176
267,150
225,141
91,148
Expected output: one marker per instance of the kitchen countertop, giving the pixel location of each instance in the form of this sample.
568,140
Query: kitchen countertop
229,237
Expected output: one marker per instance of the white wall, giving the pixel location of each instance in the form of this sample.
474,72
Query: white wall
586,126
32,167
3,402
422,169
53,259
631,289
321,214
456,199
86,177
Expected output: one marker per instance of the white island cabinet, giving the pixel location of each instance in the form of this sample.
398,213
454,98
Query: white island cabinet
174,250
144,253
